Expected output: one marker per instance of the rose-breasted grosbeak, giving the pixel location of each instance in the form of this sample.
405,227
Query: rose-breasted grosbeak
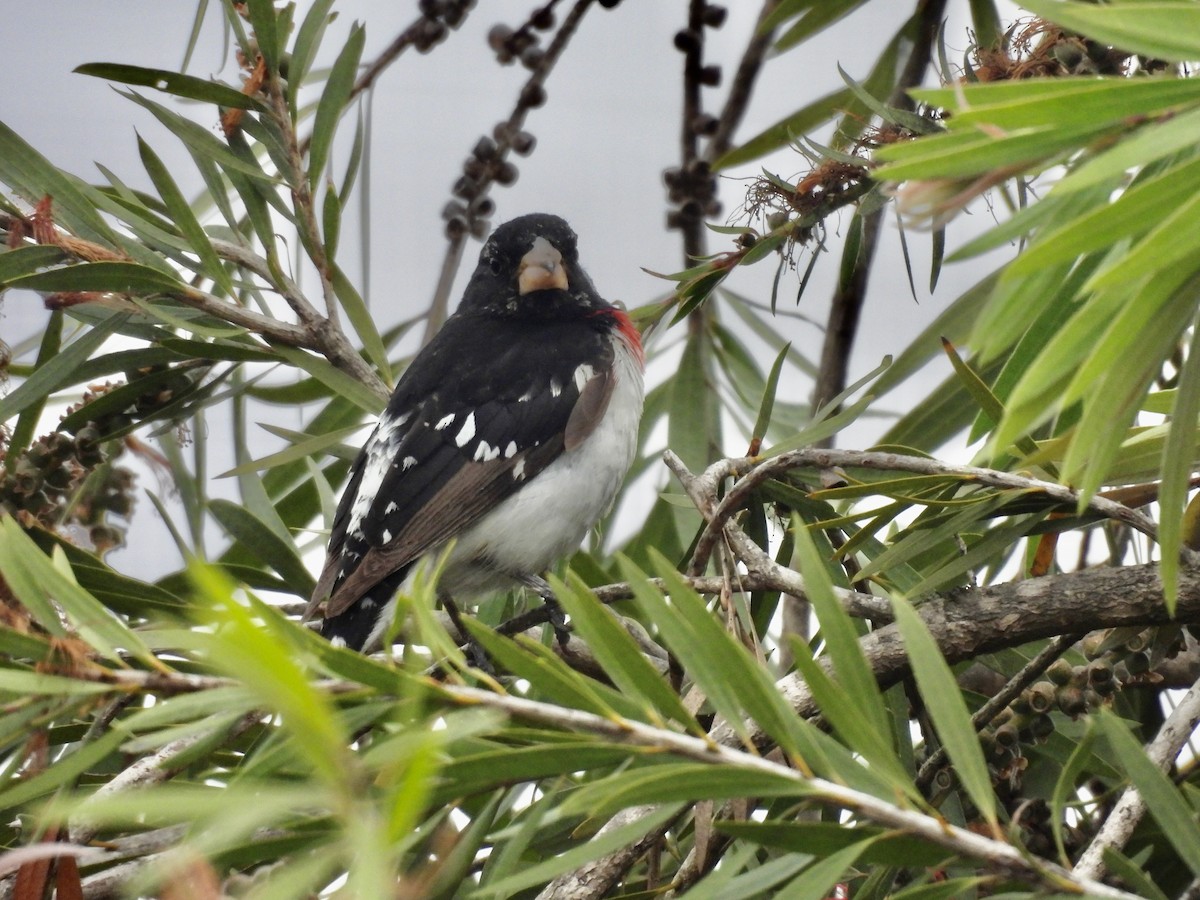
509,432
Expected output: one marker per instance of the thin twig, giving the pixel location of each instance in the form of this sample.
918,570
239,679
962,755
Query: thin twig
742,87
532,95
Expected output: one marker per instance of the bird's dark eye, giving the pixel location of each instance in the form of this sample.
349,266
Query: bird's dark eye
496,265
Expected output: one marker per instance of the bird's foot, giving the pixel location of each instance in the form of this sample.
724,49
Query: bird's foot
555,615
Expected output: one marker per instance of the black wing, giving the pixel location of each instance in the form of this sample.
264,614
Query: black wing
461,433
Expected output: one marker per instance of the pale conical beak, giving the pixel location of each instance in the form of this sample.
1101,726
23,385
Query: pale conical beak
541,269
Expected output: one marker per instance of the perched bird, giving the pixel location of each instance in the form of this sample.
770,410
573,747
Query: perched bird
510,432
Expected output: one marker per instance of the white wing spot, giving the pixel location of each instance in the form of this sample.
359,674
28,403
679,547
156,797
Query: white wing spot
466,432
519,470
485,452
526,397
555,387
390,508
445,422
583,374
511,450
387,536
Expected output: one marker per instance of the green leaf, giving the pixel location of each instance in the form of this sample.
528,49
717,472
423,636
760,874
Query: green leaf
172,83
117,277
679,782
785,131
620,655
335,379
360,317
333,103
263,664
35,177
36,578
66,769
946,707
692,427
28,259
264,544
1162,29
532,875
263,16
1164,799
549,677
818,879
304,448
1178,463
1140,209
185,220
60,370
862,702
304,49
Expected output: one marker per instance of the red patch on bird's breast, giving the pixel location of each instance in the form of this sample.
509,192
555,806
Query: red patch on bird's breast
627,330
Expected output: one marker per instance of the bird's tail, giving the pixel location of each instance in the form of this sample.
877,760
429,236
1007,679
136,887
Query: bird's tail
362,625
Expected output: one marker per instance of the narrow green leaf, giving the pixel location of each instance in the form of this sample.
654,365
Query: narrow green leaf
679,782
28,259
1163,29
620,656
263,664
1164,799
818,879
550,677
333,102
263,17
333,378
265,544
780,134
60,370
767,406
691,428
35,578
172,83
26,683
1132,875
27,424
531,875
66,769
945,705
185,220
33,176
117,277
853,672
360,317
304,448
304,49
1179,456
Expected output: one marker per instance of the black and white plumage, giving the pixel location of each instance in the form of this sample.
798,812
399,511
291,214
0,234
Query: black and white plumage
511,432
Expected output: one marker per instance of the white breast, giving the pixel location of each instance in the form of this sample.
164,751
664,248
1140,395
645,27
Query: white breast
552,514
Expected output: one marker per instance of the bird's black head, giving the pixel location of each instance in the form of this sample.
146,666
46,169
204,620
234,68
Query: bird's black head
530,265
